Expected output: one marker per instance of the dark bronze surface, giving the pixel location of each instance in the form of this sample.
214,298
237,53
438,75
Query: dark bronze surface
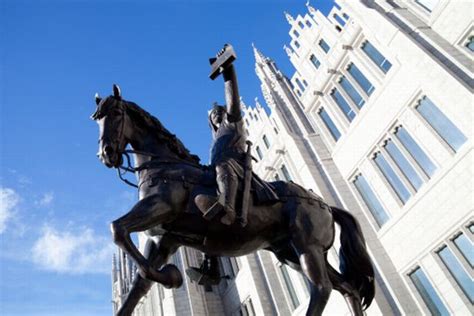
298,228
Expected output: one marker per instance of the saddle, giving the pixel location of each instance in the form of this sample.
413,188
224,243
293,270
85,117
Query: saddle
203,180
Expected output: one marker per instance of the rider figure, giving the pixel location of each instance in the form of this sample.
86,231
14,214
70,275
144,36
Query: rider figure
228,148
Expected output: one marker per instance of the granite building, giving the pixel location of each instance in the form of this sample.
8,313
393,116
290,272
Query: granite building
378,119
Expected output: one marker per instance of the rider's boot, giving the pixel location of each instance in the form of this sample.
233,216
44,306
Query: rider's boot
212,205
209,205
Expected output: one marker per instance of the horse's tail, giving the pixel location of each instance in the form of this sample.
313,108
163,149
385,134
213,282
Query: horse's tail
355,264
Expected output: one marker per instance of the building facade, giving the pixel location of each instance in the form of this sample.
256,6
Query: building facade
377,119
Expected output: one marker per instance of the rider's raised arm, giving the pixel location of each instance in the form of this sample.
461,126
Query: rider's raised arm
232,96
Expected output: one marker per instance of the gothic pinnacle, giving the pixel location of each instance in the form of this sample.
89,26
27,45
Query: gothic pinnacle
289,18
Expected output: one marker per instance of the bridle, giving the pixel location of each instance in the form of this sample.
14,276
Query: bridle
123,169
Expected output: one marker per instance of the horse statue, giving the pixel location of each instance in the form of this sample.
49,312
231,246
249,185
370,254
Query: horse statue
299,228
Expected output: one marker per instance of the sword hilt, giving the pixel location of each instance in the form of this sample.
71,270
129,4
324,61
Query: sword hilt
224,58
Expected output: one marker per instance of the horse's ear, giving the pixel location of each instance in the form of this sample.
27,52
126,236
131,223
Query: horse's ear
97,99
117,92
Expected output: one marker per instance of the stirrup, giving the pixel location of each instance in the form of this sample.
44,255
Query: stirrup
209,205
212,211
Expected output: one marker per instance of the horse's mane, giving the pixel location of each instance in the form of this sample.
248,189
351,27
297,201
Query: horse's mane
173,143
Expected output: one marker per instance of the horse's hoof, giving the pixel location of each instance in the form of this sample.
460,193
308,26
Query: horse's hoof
151,274
173,276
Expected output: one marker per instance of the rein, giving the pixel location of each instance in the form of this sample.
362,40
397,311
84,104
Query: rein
122,170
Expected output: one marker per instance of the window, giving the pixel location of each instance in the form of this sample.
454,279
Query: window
392,178
265,141
316,63
343,105
298,92
363,82
308,23
371,200
324,46
352,92
427,4
297,44
285,172
458,272
300,24
300,85
464,246
345,16
415,151
470,43
376,57
329,124
339,20
289,287
247,308
296,33
404,165
428,293
259,152
441,124
231,266
276,177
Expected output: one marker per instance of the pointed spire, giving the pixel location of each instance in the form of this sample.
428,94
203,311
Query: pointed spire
259,57
257,103
288,50
289,18
242,104
310,8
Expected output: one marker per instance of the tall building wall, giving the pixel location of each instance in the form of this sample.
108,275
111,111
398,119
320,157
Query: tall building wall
414,68
377,119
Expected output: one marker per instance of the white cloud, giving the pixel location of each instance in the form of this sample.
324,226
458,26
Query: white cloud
24,181
8,201
77,252
46,199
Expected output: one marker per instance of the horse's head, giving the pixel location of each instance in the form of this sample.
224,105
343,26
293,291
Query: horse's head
112,119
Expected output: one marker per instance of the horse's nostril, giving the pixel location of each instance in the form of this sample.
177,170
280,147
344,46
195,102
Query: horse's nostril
108,149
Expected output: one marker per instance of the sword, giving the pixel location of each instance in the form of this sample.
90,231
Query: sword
247,184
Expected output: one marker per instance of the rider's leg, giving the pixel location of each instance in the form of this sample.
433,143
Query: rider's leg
227,183
157,255
146,214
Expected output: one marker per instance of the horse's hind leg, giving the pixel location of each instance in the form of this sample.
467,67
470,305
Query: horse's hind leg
158,255
313,233
146,214
313,266
350,294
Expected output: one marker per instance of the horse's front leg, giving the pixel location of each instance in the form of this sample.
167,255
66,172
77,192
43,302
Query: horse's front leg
157,255
147,213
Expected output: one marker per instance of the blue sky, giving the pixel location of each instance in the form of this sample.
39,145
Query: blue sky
57,199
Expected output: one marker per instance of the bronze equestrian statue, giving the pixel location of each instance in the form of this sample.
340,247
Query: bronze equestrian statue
298,227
